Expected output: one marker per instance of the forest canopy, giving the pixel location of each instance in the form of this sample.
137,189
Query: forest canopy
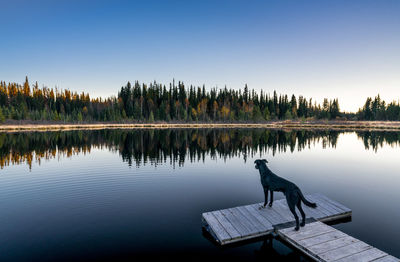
139,102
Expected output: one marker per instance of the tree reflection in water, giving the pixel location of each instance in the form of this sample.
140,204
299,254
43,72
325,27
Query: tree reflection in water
141,146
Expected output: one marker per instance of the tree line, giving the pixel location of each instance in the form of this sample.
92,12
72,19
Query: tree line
377,109
139,102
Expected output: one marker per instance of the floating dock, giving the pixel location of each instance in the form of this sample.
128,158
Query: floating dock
317,240
247,222
325,243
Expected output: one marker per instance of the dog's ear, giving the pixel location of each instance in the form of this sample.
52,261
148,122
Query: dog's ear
265,160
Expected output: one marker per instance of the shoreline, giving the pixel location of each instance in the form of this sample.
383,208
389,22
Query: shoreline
310,125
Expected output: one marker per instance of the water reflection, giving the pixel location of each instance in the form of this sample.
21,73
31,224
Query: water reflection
267,252
138,147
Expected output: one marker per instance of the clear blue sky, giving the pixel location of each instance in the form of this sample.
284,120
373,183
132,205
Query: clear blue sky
344,49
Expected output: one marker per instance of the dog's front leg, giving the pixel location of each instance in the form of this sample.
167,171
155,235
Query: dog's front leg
272,198
265,198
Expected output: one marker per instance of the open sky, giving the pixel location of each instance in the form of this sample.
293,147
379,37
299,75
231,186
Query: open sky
335,49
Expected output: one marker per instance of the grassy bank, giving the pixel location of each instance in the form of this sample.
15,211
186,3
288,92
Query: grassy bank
332,125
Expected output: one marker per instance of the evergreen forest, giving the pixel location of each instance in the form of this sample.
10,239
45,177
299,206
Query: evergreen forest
175,102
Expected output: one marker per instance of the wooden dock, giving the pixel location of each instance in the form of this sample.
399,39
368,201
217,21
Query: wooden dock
317,240
247,222
325,243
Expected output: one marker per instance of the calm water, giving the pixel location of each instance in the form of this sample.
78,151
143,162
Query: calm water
123,194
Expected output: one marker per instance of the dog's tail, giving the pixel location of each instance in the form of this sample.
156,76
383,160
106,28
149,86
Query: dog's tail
305,201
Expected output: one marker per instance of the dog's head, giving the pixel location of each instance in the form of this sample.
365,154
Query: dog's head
259,162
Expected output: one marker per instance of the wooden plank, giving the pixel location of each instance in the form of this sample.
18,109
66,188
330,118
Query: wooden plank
269,214
345,251
216,227
313,212
387,258
260,212
314,231
253,220
333,244
230,229
282,208
327,203
309,227
275,209
322,238
364,256
266,223
244,221
339,205
321,205
334,212
243,231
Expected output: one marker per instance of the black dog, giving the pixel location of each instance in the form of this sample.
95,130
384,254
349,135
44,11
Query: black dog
293,194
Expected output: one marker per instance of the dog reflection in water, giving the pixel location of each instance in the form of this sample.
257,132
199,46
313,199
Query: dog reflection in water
294,197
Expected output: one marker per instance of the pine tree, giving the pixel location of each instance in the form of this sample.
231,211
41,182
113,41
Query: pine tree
267,115
288,115
2,117
293,106
151,117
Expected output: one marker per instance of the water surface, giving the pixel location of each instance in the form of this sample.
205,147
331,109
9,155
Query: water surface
123,194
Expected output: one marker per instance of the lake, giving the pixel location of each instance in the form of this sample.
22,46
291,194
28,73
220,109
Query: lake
125,194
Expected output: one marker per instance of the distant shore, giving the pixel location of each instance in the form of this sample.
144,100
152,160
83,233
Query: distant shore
328,125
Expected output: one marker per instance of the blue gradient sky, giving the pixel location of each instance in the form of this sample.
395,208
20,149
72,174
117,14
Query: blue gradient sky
344,49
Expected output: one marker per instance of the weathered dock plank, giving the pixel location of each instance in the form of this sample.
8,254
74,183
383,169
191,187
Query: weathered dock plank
387,258
345,251
272,216
329,245
365,256
260,227
245,222
339,205
237,223
265,222
309,232
281,208
216,228
325,243
227,226
322,238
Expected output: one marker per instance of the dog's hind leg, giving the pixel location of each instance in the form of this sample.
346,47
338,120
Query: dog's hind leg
293,210
303,215
271,198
